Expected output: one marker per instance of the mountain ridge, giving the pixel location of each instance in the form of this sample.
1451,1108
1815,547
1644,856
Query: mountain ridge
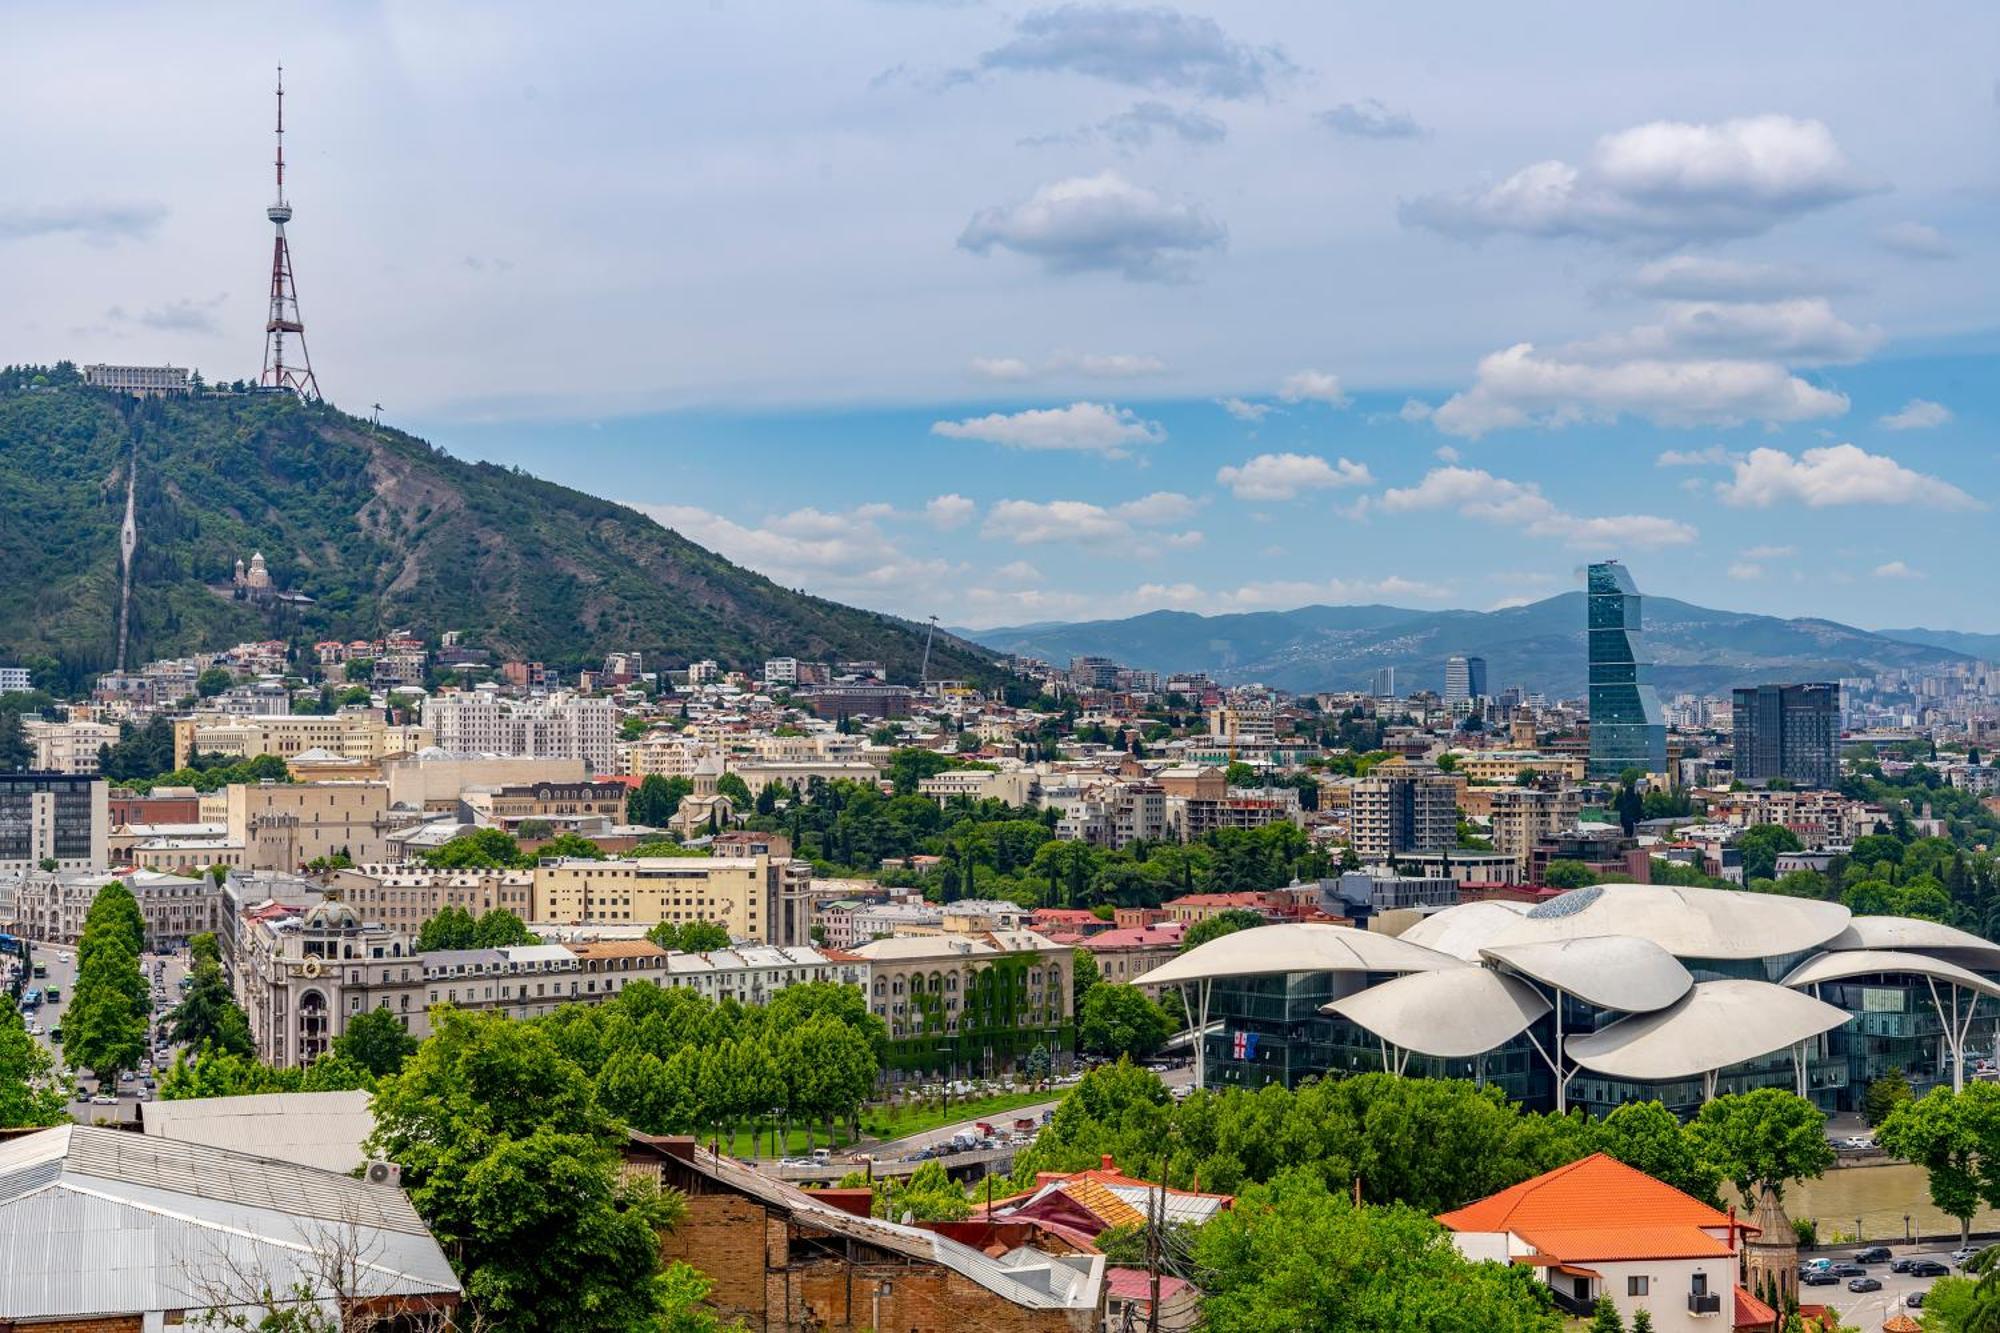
381,529
1539,645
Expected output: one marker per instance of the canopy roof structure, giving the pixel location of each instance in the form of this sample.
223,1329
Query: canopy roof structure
1296,947
1464,930
1932,937
1454,1013
1715,1025
1686,922
1841,966
1622,972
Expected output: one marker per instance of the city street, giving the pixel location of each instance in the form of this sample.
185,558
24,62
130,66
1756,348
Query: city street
1868,1309
60,960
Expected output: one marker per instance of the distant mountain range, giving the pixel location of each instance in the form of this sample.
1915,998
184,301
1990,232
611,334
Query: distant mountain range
1539,646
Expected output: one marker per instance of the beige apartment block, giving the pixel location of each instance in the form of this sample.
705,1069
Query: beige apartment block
356,733
282,826
403,897
760,898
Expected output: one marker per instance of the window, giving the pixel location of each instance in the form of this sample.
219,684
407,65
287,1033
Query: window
1700,1287
1636,1286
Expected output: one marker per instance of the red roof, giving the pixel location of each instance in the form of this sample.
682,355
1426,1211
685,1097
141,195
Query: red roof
1136,1284
1753,1313
1160,935
1600,1208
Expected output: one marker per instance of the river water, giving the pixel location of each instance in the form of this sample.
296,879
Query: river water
1882,1197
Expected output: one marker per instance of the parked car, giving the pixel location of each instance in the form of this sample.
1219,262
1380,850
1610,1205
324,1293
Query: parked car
104,1099
1914,1301
1960,1256
1857,1143
1902,1265
1818,1277
1926,1268
1874,1254
1847,1268
1864,1284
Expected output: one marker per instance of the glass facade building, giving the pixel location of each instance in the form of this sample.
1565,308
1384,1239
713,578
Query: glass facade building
1628,729
1787,731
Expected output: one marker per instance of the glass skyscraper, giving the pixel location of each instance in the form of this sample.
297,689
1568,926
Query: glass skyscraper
1627,727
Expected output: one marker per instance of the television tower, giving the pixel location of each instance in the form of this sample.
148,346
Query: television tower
284,319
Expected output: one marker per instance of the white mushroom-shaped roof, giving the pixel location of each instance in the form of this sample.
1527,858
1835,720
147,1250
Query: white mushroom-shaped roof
1912,933
1623,972
1296,947
1464,930
1715,1025
1839,965
1686,922
1453,1013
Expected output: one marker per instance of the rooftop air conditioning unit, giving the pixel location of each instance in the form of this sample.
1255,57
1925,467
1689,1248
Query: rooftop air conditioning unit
385,1173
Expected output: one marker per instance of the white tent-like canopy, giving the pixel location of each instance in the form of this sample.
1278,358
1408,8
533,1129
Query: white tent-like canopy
1457,1013
1963,987
1715,1025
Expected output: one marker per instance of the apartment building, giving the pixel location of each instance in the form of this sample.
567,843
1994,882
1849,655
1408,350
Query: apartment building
752,974
67,747
283,826
1523,816
762,898
557,726
403,897
359,734
1404,808
563,804
1124,955
519,982
964,1001
52,905
432,780
1115,814
60,817
302,977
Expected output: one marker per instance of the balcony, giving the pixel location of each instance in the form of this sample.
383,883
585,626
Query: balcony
1704,1303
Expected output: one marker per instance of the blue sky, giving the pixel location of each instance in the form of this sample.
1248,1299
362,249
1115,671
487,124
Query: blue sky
1026,312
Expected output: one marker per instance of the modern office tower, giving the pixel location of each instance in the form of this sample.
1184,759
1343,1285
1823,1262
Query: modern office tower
59,817
1384,684
1464,678
1788,731
1402,808
1628,729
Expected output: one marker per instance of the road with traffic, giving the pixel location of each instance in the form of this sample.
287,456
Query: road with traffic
163,975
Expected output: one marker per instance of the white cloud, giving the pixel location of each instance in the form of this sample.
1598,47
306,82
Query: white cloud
1713,456
1090,365
835,554
1746,570
1769,552
1312,386
1699,278
1100,223
1917,414
1521,387
1415,409
1038,522
1136,126
1896,569
1444,453
1244,410
1083,427
1286,476
1018,571
1915,240
1839,474
1800,330
1004,368
946,512
1370,119
1661,183
1477,494
98,224
1140,48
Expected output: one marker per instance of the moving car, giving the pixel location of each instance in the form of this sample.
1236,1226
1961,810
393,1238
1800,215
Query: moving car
1926,1268
1818,1277
1864,1284
1874,1254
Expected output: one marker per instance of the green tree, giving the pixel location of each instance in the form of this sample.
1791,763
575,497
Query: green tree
30,1091
499,928
736,789
213,682
208,1013
1119,1020
571,846
1760,845
377,1041
1563,874
451,928
1604,1317
654,801
1765,1137
926,1195
1084,979
514,1165
15,752
689,936
1884,1095
481,849
1955,1138
1642,1318
1226,922
1295,1255
105,1023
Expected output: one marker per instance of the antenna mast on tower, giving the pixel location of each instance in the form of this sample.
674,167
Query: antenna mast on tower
284,317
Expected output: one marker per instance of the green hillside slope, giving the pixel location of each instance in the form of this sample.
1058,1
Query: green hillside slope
381,530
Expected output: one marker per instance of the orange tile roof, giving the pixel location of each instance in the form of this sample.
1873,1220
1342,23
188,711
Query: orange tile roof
1600,1208
1753,1313
1102,1202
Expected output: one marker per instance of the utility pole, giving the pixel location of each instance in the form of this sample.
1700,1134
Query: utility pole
1155,1210
924,672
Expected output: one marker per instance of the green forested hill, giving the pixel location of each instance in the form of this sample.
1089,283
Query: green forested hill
379,528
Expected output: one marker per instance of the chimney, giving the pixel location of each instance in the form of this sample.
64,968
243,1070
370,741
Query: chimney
676,1145
1106,1163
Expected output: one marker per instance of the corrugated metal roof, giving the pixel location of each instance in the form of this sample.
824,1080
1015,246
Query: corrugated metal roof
100,1221
316,1129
